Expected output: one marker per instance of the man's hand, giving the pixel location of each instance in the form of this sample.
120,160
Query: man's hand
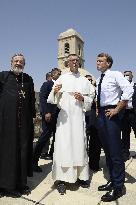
48,117
57,88
121,105
111,112
78,96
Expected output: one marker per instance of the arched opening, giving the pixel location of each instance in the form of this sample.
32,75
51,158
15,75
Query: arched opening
67,48
79,50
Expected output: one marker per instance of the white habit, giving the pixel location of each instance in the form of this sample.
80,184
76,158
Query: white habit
70,159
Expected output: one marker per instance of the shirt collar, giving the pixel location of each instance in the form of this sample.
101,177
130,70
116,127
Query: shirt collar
75,74
107,71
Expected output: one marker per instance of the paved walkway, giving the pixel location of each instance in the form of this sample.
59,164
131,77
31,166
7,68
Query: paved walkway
43,192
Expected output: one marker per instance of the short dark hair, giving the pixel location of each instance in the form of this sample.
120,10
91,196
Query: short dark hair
53,70
88,76
128,71
108,58
48,75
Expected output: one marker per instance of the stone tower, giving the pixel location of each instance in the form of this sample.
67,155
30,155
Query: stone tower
70,42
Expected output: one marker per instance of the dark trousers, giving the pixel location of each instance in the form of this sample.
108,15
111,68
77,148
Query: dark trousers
128,122
93,142
47,129
94,148
109,132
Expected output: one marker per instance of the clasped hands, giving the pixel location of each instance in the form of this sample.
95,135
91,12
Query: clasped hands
78,96
48,117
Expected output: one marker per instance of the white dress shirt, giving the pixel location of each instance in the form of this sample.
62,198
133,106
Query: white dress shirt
114,88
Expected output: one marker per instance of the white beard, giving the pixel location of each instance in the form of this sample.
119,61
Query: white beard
17,70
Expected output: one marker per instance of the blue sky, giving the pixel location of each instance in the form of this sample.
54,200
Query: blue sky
33,26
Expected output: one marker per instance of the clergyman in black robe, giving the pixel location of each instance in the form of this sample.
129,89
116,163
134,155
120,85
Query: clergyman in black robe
17,110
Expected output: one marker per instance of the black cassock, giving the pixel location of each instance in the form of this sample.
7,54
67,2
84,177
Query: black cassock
17,109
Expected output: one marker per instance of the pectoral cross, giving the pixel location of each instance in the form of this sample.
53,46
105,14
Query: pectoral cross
22,93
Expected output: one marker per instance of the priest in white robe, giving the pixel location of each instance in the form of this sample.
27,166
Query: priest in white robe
74,95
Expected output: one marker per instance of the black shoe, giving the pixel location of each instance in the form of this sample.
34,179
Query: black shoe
46,156
61,187
25,190
126,157
1,193
36,168
83,184
95,169
105,187
134,156
112,195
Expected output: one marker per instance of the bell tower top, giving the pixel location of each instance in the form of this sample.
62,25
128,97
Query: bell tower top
70,32
70,42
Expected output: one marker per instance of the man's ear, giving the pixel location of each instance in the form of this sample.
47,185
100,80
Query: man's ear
108,64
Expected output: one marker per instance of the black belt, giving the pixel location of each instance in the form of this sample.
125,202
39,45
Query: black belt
108,107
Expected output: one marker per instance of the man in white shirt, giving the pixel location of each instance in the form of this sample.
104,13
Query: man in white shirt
73,95
113,93
128,120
